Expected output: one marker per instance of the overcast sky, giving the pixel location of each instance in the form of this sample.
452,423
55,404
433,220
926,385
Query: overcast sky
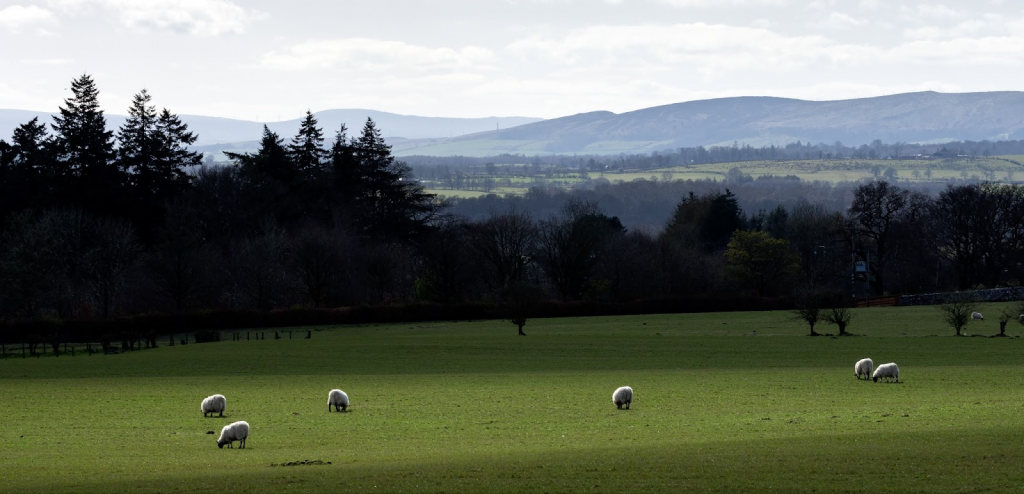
272,60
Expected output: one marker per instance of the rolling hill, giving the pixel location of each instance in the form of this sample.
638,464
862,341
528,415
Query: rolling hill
910,117
754,120
215,131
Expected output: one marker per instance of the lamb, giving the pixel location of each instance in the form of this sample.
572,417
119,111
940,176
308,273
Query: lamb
337,398
886,371
977,316
214,404
863,367
237,431
623,396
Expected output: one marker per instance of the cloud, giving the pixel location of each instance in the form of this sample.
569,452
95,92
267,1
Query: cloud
17,17
840,20
371,55
707,48
194,17
723,3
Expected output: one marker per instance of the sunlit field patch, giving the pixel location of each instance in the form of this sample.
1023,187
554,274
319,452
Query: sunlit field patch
729,402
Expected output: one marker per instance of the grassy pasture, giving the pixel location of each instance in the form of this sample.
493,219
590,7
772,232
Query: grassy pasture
735,402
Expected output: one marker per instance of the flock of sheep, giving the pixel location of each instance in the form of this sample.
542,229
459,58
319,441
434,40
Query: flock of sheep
864,366
338,399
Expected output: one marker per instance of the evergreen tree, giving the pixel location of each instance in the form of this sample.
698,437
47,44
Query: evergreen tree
389,203
152,150
307,148
23,165
268,179
86,169
344,168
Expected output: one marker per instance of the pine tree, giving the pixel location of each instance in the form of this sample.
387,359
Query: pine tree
307,151
390,203
84,148
24,164
153,151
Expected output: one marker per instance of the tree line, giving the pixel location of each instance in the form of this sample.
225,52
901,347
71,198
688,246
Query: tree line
100,224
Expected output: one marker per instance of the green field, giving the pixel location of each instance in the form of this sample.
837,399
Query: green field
996,169
727,402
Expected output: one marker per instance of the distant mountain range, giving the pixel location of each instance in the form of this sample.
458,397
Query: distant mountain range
910,117
215,131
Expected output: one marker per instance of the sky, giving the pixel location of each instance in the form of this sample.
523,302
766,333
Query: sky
268,60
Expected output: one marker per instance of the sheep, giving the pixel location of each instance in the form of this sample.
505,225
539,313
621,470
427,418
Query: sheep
977,316
214,404
863,367
623,396
1021,319
237,431
886,371
337,398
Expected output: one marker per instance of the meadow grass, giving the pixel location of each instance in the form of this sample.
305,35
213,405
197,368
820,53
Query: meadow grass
727,402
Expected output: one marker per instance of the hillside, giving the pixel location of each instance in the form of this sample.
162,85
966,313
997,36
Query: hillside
214,131
911,117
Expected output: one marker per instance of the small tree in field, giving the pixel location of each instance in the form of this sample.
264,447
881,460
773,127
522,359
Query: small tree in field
808,308
518,301
840,316
957,311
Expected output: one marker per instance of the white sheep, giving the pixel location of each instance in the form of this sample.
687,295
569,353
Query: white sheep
337,398
977,316
623,396
887,371
863,367
1021,319
237,431
214,404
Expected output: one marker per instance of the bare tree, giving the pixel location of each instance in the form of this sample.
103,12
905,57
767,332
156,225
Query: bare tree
317,259
808,307
840,316
256,267
504,246
957,311
573,244
110,263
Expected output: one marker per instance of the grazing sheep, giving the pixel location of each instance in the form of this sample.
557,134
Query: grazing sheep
863,367
237,431
337,398
977,316
1021,319
886,371
214,404
623,396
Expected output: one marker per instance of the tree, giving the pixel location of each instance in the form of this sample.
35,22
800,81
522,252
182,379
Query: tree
808,307
706,222
957,311
759,261
152,149
518,300
504,246
878,207
110,264
181,261
390,204
961,218
573,244
447,262
840,316
84,152
317,259
307,147
25,165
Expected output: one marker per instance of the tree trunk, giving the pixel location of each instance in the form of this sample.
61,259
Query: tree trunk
521,333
